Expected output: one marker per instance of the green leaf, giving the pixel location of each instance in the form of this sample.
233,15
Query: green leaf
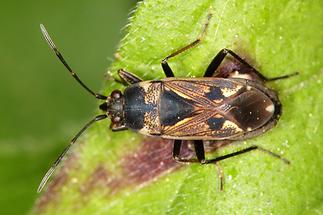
126,173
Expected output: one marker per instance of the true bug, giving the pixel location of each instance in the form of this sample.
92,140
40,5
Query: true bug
231,105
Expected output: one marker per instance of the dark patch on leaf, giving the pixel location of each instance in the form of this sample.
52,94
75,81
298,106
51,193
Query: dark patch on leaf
152,159
100,176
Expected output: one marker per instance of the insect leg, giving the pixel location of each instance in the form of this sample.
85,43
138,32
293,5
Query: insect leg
215,63
167,70
58,160
251,148
177,151
282,77
199,151
212,68
128,77
115,127
257,72
220,175
200,154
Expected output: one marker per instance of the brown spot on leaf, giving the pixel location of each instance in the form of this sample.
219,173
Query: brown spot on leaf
152,159
100,176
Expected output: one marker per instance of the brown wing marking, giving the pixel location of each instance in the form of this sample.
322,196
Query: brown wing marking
205,93
191,91
189,126
207,123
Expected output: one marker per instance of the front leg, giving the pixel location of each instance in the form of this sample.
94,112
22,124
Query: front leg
128,77
116,127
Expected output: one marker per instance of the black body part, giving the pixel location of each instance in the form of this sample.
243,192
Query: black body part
167,70
173,108
133,97
135,107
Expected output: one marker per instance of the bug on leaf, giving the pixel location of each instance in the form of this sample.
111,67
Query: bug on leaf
220,106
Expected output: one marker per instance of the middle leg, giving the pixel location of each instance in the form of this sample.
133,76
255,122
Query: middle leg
177,151
200,154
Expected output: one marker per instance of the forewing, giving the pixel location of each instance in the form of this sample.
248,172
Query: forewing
206,124
207,92
208,119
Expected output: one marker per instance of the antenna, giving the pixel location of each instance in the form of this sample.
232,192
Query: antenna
97,118
60,56
60,157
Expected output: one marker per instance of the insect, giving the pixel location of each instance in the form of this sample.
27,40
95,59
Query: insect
219,106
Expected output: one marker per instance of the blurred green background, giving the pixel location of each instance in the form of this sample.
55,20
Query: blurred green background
42,107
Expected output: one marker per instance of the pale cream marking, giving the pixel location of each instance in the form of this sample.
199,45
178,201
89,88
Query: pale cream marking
144,131
181,94
145,85
270,108
243,76
171,127
228,124
227,92
217,101
151,122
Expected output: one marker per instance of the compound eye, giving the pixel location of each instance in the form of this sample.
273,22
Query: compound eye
116,119
116,94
